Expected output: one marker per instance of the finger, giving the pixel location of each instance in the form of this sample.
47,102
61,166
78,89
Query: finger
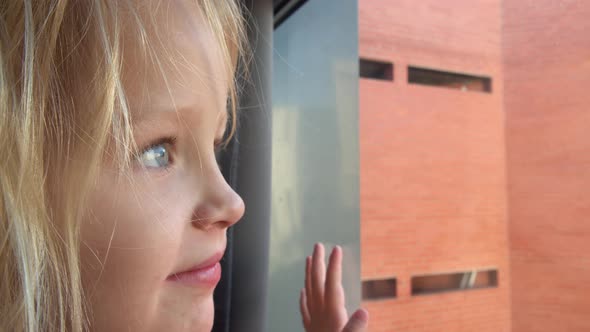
358,322
308,292
334,293
306,319
318,275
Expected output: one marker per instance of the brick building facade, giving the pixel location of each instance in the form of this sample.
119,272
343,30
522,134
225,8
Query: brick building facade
546,46
455,181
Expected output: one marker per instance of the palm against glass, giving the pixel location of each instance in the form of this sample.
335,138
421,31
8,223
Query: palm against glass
322,300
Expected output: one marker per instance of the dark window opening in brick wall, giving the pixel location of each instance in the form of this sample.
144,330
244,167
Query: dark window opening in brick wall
379,289
458,281
374,69
465,82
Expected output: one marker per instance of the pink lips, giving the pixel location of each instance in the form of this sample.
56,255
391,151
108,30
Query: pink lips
205,274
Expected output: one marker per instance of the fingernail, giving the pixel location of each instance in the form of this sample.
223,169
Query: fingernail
362,315
335,249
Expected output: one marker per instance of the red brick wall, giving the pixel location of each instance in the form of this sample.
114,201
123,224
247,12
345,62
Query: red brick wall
433,184
547,77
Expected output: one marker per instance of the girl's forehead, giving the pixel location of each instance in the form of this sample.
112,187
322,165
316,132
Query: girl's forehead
175,62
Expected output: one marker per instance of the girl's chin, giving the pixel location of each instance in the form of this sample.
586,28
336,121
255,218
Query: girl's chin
195,313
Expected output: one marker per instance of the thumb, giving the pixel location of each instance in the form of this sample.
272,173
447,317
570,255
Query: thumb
358,322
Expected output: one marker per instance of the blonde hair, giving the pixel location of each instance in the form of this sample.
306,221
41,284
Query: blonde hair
62,101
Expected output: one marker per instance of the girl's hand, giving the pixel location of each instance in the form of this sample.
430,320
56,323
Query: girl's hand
322,301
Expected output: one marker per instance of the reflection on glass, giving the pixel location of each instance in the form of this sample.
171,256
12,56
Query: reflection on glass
314,151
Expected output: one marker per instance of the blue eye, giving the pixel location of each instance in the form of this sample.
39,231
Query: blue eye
156,156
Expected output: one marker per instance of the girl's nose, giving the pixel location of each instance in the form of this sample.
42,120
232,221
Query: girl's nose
220,206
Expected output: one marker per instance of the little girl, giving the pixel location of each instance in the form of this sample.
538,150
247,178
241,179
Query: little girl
113,209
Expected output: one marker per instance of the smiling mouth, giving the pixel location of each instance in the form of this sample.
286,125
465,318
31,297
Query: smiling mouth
206,274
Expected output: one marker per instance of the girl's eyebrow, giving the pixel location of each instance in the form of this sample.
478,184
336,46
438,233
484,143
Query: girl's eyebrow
167,116
155,122
167,121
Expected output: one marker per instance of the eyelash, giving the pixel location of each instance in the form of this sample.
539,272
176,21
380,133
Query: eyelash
171,140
